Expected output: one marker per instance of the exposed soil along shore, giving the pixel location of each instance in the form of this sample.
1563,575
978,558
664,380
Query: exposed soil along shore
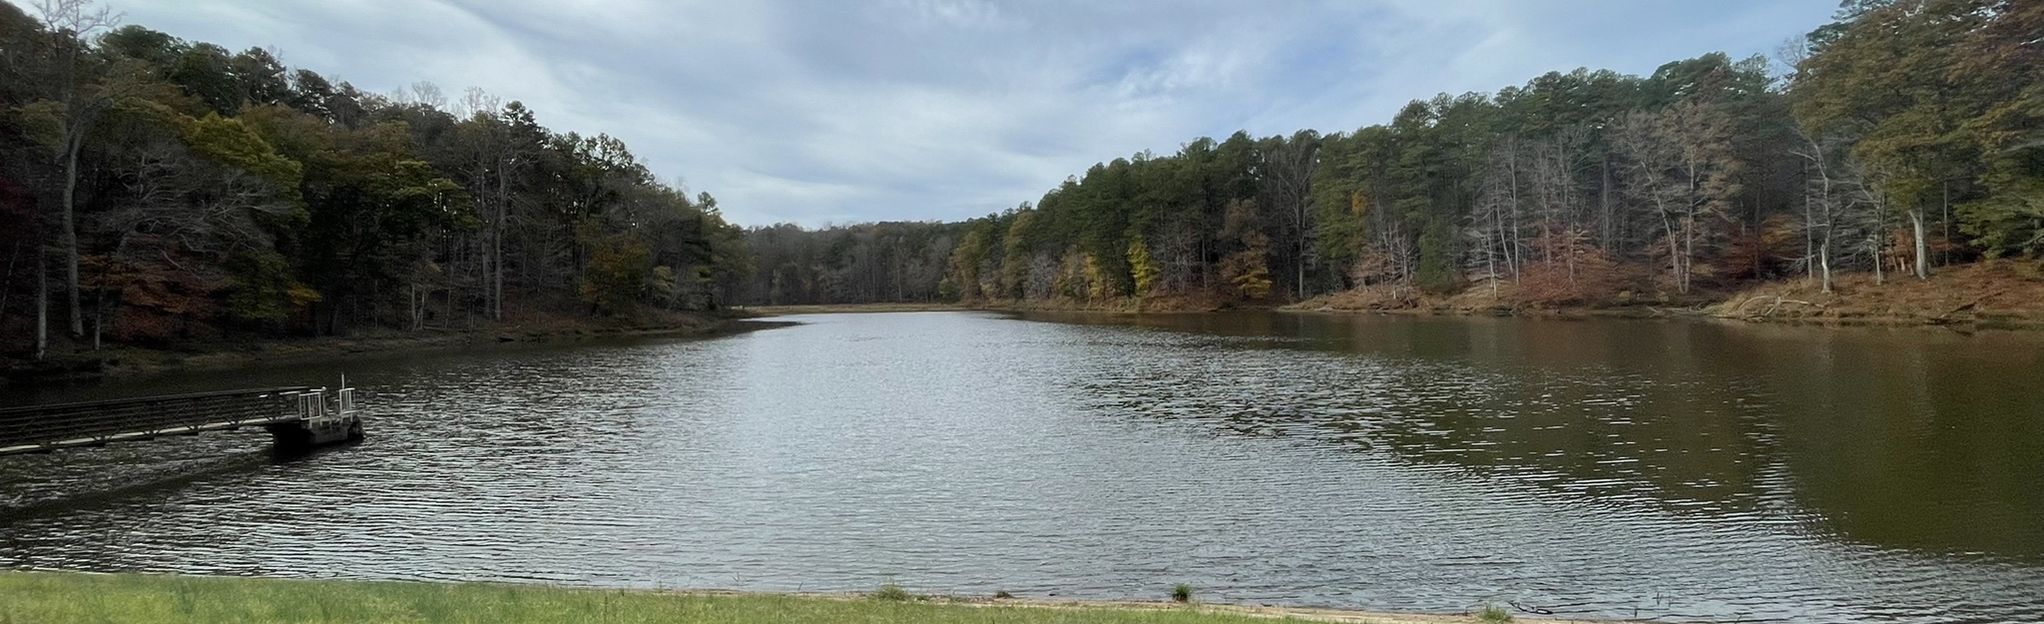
1995,294
1985,295
228,353
1160,304
57,597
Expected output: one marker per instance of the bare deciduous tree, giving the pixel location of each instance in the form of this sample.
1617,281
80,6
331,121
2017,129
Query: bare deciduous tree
76,103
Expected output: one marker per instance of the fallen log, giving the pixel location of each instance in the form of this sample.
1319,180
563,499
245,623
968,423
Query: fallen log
1970,305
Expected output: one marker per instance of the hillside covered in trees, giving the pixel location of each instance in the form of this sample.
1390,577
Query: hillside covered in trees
1906,136
155,190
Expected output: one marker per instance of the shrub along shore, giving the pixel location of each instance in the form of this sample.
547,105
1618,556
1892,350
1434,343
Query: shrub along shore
60,598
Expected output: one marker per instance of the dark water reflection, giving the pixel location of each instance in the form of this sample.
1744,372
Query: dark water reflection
1684,471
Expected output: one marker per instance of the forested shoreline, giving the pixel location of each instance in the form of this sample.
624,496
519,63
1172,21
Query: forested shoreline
1902,138
156,191
160,192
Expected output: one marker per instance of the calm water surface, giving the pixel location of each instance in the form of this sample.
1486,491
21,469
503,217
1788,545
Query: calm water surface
1677,471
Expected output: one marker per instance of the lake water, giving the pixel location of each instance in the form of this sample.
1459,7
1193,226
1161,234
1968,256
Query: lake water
1684,471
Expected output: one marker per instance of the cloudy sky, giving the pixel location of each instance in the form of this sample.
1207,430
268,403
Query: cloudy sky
827,111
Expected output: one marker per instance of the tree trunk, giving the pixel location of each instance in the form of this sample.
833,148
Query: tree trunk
1674,251
1302,270
7,282
497,251
100,306
1922,246
1608,223
68,239
1688,251
1490,263
1809,233
98,318
453,294
42,303
1518,255
1824,262
1880,272
1945,258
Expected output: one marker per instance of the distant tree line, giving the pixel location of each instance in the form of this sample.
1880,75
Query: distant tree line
868,263
1908,134
154,189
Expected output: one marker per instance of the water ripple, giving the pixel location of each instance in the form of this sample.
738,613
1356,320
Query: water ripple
1421,466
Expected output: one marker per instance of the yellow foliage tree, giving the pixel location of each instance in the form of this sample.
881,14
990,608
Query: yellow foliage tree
1248,270
1142,267
1249,274
1099,287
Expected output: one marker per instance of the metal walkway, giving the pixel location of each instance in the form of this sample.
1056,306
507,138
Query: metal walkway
295,415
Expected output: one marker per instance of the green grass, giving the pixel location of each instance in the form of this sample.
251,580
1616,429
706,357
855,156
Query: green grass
47,598
1181,593
1493,614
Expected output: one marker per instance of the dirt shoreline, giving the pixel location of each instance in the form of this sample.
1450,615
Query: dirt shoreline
139,361
1985,295
849,308
1728,311
1989,295
1731,309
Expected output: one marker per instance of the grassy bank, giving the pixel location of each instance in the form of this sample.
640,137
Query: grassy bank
228,353
63,598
